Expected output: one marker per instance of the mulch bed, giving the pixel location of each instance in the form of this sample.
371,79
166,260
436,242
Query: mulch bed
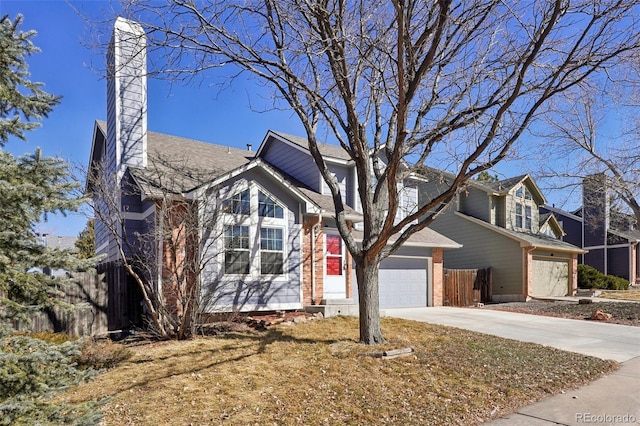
626,313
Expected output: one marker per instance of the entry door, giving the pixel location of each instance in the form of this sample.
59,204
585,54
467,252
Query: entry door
334,267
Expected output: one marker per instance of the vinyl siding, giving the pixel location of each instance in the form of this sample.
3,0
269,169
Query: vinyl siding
342,175
294,162
254,292
510,222
475,203
483,248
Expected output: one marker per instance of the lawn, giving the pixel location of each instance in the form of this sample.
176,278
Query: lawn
317,373
631,294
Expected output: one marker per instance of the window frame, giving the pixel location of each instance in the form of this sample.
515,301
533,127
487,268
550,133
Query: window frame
254,222
244,237
270,250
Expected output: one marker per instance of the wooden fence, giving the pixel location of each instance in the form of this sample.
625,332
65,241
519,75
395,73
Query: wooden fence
467,287
88,294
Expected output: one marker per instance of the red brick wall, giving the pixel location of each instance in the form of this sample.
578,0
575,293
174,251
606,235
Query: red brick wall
307,261
438,276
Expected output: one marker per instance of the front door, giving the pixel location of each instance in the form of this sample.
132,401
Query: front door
334,267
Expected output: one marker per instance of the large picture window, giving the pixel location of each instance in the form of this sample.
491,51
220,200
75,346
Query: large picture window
271,251
236,255
254,239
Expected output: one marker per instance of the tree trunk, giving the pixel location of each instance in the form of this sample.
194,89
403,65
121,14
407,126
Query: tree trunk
369,302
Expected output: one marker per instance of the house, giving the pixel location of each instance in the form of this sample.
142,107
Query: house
274,245
499,226
610,237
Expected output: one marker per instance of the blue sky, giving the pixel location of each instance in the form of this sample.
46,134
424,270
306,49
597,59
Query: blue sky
68,67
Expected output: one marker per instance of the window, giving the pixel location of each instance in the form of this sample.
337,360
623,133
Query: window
238,204
236,244
267,207
527,218
518,215
255,235
271,257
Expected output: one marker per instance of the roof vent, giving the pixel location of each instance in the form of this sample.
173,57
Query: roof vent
248,147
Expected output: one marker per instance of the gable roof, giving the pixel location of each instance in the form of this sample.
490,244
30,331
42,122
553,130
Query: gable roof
501,187
551,219
525,239
180,165
328,151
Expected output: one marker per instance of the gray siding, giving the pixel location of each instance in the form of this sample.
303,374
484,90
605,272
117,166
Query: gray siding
342,175
294,162
510,222
475,203
500,211
126,98
483,248
256,292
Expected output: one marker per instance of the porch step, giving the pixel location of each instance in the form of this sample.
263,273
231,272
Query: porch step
336,302
586,292
334,307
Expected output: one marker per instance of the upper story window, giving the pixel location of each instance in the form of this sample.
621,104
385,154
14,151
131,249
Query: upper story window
267,207
523,192
239,203
523,209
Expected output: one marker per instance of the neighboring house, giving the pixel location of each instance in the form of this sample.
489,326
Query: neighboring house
499,226
277,246
62,242
610,237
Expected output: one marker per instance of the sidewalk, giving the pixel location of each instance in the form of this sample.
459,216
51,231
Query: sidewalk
610,400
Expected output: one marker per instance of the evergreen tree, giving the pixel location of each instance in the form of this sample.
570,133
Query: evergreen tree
31,186
21,100
86,242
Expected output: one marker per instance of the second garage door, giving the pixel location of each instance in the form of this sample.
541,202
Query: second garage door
550,278
403,282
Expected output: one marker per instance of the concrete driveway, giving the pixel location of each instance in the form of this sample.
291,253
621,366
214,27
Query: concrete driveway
607,341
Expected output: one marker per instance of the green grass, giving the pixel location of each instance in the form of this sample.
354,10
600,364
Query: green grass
316,373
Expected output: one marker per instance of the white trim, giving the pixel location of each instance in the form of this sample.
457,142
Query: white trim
139,216
607,246
257,162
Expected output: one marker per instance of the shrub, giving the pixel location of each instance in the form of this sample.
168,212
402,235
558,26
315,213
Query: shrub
33,368
616,283
590,277
100,355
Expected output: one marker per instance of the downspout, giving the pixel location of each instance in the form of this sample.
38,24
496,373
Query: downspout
314,229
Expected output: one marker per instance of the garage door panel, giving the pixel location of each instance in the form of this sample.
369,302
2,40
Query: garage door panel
550,278
403,283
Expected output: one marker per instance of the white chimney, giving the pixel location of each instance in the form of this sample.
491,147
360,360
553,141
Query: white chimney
127,97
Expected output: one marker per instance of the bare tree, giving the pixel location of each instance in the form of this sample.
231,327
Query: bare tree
398,85
167,255
596,134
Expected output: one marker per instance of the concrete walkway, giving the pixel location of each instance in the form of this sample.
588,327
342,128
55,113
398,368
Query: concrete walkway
611,400
607,341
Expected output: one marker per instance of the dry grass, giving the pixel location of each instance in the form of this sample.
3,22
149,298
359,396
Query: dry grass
631,294
315,373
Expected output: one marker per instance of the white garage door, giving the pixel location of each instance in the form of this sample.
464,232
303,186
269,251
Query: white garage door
403,283
550,278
